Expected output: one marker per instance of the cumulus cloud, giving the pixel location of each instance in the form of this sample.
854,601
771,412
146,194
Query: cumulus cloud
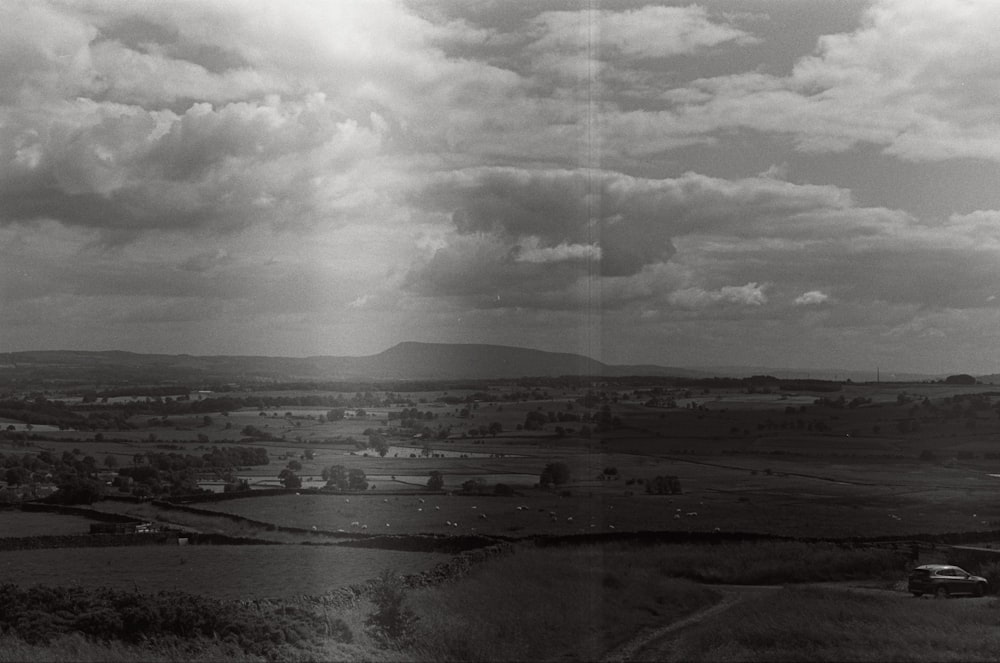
811,298
578,43
318,166
915,78
750,294
559,253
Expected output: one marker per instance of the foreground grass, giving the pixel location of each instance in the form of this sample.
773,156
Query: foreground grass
77,649
541,604
812,624
576,603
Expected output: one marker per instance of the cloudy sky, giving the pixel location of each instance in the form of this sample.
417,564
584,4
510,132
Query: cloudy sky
780,182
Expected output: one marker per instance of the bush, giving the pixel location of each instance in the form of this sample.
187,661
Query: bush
503,490
40,614
392,623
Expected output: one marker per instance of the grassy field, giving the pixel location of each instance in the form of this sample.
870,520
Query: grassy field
579,603
218,571
23,523
812,624
573,604
771,463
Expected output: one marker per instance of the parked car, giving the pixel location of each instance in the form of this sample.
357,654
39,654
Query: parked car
943,580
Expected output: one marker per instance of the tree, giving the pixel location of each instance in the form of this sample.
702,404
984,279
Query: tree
378,443
77,491
335,477
356,479
15,476
289,479
294,465
664,485
472,486
555,473
495,427
110,462
435,481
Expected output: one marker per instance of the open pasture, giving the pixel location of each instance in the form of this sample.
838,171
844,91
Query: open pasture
539,513
787,510
231,572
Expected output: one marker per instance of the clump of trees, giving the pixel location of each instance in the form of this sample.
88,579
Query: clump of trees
554,474
338,477
664,485
435,481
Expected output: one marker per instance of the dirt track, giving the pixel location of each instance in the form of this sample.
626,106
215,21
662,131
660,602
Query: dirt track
654,645
646,645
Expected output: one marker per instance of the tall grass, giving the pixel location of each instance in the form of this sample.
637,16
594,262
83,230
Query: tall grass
811,624
77,649
541,604
776,562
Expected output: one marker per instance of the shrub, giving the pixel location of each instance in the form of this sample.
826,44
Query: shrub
392,623
503,490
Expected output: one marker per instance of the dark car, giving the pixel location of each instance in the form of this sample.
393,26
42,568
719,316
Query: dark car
943,580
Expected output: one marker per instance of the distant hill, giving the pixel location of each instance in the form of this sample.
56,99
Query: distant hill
405,361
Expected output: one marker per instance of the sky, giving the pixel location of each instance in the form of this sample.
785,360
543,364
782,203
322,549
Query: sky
787,183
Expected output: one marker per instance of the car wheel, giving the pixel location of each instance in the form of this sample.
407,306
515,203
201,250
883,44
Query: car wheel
941,593
980,589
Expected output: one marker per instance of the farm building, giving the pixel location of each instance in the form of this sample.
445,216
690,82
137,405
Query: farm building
123,528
